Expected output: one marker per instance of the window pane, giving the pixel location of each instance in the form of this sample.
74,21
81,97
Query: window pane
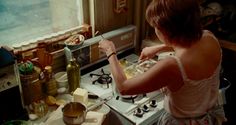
22,20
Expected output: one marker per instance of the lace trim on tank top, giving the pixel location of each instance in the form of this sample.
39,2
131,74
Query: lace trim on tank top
185,77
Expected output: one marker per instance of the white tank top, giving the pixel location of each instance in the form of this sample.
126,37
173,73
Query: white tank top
195,97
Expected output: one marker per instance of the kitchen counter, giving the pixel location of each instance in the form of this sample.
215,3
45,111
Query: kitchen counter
55,115
122,111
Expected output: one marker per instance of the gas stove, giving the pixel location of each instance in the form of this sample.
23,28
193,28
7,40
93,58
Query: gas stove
93,82
140,109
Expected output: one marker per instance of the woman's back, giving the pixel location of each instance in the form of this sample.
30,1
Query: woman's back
199,66
201,59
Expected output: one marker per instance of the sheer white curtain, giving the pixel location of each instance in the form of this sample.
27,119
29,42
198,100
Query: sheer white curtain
27,20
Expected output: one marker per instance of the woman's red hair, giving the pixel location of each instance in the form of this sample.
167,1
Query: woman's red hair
177,20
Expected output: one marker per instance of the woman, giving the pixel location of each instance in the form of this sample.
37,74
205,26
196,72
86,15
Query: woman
190,78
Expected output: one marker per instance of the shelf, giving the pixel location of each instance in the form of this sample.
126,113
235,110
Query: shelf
228,45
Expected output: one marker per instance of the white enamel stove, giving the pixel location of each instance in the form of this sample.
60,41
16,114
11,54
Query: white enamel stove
137,109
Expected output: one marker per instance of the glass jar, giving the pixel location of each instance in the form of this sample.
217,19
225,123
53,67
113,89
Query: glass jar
51,84
40,108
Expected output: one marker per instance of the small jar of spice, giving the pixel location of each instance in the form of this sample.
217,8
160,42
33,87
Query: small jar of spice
50,83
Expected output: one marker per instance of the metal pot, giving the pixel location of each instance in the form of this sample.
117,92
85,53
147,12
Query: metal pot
74,113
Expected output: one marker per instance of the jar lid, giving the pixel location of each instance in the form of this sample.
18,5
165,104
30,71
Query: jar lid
48,68
73,59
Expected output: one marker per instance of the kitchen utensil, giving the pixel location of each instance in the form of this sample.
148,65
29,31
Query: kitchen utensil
97,32
74,113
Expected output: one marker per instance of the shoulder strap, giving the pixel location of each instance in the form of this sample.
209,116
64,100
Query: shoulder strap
180,67
207,32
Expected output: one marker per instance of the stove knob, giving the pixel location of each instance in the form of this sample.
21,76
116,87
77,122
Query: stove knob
145,108
117,97
153,103
138,112
8,83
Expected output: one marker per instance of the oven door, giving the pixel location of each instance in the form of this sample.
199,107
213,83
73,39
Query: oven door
11,106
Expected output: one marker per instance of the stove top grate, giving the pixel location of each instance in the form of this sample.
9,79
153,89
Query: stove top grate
102,78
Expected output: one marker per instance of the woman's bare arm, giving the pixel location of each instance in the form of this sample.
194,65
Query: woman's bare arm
150,52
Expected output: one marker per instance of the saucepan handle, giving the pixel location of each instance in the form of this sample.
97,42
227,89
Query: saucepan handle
96,105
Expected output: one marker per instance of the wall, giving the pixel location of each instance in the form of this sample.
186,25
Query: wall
107,20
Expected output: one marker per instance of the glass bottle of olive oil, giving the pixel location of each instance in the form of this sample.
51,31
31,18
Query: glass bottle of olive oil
73,75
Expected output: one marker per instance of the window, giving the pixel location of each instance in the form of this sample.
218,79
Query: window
24,20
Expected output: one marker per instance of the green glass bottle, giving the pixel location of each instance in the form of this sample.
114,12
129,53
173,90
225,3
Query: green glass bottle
73,75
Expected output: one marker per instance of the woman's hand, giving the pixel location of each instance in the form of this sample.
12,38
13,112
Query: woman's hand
147,53
150,52
107,47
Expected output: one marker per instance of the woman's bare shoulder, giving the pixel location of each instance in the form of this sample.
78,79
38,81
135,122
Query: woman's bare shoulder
168,71
202,60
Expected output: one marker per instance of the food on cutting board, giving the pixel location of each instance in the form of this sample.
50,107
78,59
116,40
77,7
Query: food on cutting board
81,95
50,100
124,63
60,102
131,71
146,65
33,116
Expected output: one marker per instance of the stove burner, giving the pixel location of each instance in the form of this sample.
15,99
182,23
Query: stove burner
103,78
